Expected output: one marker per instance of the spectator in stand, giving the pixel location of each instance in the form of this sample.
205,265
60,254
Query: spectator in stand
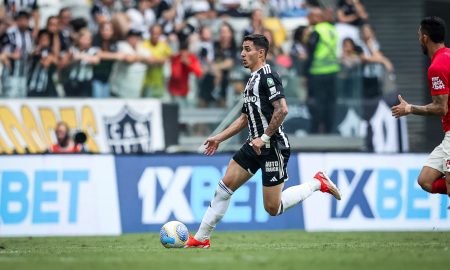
229,8
182,65
206,57
288,8
349,75
81,60
375,63
256,23
170,16
225,53
42,67
58,42
155,82
298,53
65,17
64,141
322,66
103,10
13,7
352,12
17,46
142,17
127,77
108,53
200,9
3,58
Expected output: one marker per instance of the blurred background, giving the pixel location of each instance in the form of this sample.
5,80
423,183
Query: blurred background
139,86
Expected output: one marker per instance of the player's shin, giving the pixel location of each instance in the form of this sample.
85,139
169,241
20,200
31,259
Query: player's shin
296,194
216,210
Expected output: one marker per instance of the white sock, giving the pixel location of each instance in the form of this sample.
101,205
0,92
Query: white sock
296,194
215,212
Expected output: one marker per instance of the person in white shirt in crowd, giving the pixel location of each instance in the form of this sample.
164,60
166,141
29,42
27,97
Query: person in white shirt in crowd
142,17
128,75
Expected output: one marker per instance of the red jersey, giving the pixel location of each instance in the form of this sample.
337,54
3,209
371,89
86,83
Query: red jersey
439,79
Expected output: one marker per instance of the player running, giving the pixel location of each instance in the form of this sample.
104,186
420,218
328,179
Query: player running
267,147
436,170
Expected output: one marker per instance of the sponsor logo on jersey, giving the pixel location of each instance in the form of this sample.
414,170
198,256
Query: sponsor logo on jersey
437,83
272,166
251,99
273,90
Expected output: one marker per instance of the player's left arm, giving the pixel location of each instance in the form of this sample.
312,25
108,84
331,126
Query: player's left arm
438,106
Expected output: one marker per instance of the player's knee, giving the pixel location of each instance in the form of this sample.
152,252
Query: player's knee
272,209
424,183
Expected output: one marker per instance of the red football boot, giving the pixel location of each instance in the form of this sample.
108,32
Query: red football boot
194,243
326,185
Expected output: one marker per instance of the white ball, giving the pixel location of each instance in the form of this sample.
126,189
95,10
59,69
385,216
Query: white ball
173,234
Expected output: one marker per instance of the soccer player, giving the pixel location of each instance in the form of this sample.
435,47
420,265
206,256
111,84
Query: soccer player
435,174
267,147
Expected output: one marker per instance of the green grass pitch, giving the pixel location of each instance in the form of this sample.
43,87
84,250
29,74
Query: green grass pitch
234,251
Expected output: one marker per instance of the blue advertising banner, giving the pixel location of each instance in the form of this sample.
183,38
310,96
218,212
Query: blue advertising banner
159,188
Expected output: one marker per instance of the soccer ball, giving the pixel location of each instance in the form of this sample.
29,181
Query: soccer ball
173,234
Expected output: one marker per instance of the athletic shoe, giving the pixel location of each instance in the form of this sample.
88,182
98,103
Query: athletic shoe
194,243
326,185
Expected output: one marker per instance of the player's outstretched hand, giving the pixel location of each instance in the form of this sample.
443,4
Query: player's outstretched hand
404,108
211,145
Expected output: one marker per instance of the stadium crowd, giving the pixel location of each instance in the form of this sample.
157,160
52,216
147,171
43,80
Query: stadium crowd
151,48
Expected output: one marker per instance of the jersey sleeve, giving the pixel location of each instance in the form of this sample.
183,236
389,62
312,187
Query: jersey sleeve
438,81
273,87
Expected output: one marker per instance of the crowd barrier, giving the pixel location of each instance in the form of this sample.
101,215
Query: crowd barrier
111,195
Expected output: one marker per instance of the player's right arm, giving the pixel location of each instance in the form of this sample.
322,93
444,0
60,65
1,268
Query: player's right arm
212,143
438,106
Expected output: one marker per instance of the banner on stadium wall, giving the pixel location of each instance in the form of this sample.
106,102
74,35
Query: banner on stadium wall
58,195
112,126
160,188
379,192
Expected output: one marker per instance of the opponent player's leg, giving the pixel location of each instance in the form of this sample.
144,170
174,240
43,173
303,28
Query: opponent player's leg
432,180
235,177
431,177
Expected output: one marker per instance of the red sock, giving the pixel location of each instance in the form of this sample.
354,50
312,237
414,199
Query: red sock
439,186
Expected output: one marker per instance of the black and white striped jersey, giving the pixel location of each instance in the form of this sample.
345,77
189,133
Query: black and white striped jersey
12,7
16,40
263,88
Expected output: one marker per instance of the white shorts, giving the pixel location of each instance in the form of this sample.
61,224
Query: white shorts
439,159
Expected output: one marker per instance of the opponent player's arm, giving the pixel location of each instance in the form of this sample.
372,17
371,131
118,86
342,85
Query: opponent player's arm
280,110
438,106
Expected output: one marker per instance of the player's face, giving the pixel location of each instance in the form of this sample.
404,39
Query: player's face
422,40
250,54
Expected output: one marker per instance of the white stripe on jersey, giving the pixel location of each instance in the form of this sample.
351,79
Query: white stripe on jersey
258,104
286,143
250,108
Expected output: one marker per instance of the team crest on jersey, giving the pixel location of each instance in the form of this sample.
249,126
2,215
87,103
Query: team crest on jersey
437,83
270,82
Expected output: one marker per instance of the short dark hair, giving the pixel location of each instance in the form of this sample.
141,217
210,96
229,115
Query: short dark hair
22,14
260,42
434,27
